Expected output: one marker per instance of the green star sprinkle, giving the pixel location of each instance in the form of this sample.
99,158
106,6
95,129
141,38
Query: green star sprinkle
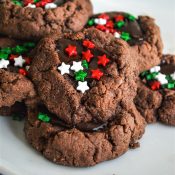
91,22
131,17
80,75
7,50
43,117
171,86
151,76
120,24
4,56
17,2
20,49
125,36
85,64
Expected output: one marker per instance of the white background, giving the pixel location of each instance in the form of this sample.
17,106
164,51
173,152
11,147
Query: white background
156,156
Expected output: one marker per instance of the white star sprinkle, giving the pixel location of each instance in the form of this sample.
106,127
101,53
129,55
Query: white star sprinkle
64,69
155,69
100,21
31,6
19,61
173,76
77,66
50,6
82,86
117,35
162,78
4,63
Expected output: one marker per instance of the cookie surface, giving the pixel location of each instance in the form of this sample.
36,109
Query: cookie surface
14,86
73,147
141,33
18,19
156,92
84,78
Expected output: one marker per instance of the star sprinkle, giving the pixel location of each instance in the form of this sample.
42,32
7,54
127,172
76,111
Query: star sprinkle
155,69
50,6
4,63
162,78
173,76
119,18
82,86
80,75
71,50
87,55
31,6
100,21
88,44
155,85
117,35
22,72
44,117
103,60
77,66
96,74
64,69
19,61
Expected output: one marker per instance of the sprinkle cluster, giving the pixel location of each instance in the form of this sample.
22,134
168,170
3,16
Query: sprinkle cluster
47,4
81,69
156,80
104,23
15,56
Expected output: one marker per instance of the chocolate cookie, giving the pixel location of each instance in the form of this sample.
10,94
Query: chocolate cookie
156,92
141,33
32,20
14,85
84,78
73,147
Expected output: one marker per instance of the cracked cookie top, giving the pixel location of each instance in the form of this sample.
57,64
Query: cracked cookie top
85,77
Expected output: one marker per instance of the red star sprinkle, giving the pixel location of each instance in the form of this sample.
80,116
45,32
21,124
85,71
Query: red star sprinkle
27,60
87,55
119,18
103,60
110,24
96,74
88,44
101,27
71,50
155,85
27,2
104,16
12,57
23,72
42,3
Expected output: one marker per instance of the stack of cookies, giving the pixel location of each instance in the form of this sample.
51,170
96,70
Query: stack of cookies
86,84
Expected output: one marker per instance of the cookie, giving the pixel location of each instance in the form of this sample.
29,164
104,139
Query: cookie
156,92
14,85
32,20
85,78
73,147
141,33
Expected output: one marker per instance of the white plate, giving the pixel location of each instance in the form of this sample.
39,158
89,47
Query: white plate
156,156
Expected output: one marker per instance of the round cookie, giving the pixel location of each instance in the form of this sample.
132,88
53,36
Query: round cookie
85,78
73,147
156,92
141,33
32,20
14,86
